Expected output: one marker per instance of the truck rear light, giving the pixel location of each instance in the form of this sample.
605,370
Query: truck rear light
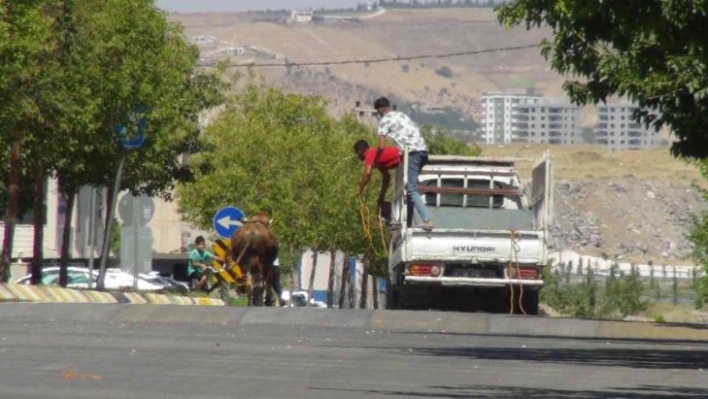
424,270
523,273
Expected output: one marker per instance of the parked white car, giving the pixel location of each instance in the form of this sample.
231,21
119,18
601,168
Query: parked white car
115,279
77,277
298,299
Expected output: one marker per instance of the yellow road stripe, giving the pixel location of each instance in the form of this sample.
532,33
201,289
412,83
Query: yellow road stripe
135,298
158,299
25,293
6,294
181,300
76,295
201,301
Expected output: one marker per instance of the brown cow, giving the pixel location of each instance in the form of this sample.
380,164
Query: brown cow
254,248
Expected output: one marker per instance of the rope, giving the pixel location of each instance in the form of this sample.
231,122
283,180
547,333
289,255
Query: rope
366,225
383,236
514,260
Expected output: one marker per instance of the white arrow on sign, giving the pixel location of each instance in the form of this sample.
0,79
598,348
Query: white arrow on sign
226,222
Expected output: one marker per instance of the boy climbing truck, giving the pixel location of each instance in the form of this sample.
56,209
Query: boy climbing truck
489,241
389,159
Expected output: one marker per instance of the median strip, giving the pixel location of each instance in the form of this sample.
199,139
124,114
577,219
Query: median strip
42,294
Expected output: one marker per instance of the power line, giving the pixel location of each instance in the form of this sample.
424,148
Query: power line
388,59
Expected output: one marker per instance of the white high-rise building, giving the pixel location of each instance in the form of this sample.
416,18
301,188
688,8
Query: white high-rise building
617,129
546,120
512,117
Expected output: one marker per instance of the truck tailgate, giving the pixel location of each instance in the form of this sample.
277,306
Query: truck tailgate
477,246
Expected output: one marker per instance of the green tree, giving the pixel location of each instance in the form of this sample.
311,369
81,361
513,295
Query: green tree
646,51
290,158
440,142
698,234
276,148
115,56
25,46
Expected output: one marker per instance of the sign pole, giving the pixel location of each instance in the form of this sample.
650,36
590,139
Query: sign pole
91,233
110,212
121,132
135,242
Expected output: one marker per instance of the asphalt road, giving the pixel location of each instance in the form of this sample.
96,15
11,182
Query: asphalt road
42,356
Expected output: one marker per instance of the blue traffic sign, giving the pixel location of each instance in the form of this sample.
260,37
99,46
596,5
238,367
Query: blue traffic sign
137,139
227,220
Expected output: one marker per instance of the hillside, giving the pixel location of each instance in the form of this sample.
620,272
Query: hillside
392,34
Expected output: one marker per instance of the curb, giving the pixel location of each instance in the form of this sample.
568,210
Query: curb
390,321
43,294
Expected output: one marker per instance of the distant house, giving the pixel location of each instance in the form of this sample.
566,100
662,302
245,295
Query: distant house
236,50
524,117
204,41
370,6
301,17
617,129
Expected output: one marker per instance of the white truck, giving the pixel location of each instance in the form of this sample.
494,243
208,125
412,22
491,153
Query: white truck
489,241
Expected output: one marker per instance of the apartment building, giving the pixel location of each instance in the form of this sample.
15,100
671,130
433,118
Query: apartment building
523,117
617,130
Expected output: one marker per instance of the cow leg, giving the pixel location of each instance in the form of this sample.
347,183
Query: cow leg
268,285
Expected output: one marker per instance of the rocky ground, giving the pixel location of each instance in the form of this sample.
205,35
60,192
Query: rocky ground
626,218
635,205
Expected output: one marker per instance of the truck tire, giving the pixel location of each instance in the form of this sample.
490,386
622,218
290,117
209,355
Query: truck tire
530,303
391,296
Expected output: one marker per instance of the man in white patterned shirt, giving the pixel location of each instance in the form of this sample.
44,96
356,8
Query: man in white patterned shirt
401,129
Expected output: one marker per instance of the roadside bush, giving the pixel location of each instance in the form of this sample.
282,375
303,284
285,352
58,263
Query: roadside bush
444,71
621,295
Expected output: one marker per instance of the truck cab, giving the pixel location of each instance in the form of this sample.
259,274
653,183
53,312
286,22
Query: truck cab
489,241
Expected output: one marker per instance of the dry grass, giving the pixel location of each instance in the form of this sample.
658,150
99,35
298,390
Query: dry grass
676,313
593,163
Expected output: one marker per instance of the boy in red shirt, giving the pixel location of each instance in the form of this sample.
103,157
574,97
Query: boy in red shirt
389,159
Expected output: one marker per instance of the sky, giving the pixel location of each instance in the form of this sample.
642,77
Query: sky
246,5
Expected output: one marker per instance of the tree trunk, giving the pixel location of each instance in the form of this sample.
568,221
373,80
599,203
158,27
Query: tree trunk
375,286
330,281
291,280
111,203
364,285
13,203
38,223
107,216
311,286
344,281
295,257
66,238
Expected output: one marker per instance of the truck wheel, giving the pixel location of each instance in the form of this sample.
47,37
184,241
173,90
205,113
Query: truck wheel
391,296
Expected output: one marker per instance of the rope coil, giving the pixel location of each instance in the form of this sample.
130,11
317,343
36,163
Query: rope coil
366,225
